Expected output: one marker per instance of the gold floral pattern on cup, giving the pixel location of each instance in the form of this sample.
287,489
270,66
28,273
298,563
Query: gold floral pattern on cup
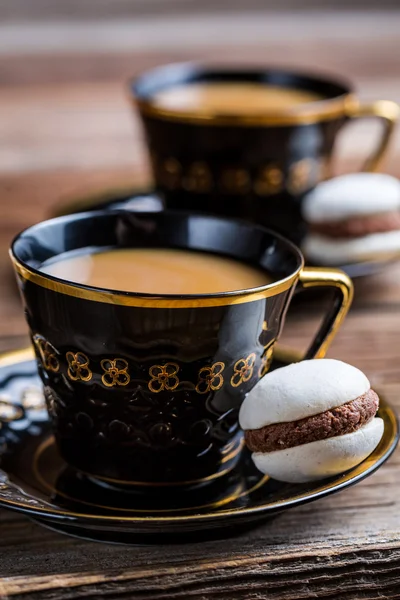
269,180
78,366
115,372
243,370
210,378
300,176
198,178
47,353
170,172
163,377
120,372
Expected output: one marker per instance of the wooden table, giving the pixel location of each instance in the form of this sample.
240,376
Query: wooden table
65,130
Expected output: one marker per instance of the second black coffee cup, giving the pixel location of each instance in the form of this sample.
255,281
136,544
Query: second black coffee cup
247,143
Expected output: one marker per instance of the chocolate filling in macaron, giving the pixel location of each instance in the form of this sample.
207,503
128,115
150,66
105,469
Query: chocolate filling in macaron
337,421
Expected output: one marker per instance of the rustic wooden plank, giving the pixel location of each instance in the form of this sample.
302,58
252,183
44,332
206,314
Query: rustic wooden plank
303,552
254,577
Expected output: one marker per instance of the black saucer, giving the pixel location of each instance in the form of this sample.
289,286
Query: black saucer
35,481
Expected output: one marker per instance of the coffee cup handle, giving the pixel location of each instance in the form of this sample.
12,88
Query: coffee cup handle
312,277
386,111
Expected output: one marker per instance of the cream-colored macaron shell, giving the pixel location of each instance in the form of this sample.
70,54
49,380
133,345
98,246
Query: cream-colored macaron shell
352,195
301,390
333,251
323,458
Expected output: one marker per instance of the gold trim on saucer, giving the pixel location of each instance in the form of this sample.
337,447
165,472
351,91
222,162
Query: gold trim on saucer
137,300
308,113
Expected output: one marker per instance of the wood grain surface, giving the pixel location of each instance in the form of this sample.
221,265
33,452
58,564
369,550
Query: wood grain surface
67,130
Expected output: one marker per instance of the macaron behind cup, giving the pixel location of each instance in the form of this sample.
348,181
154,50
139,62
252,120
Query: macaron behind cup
353,218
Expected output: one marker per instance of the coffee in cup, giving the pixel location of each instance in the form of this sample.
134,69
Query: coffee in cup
157,271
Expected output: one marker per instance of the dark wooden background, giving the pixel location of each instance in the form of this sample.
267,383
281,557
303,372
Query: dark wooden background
67,130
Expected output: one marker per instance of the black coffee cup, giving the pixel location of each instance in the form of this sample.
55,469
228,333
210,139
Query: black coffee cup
144,389
252,166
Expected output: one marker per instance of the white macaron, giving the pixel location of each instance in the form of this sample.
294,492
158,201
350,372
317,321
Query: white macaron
352,218
311,420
